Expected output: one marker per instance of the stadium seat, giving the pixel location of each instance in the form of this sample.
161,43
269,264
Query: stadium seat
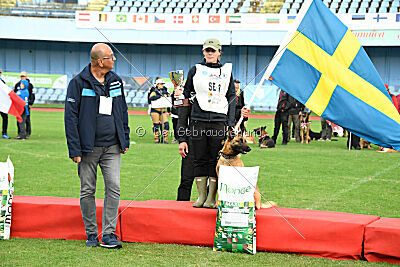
168,10
286,5
212,11
341,10
137,4
177,10
225,5
172,4
107,9
395,3
352,10
195,11
203,11
393,9
372,10
385,4
221,11
186,10
133,10
234,5
216,5
292,11
142,10
362,10
151,10
120,3
207,5
163,4
382,9
345,5
181,5
298,1
283,11
154,4
125,9
116,9
296,5
146,4
198,5
129,3
111,3
230,11
354,5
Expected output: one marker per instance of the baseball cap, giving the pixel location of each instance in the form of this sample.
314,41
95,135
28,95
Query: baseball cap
212,43
23,74
160,81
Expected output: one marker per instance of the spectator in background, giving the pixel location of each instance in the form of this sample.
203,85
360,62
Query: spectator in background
4,117
31,100
326,133
239,105
24,94
97,131
159,116
294,116
281,117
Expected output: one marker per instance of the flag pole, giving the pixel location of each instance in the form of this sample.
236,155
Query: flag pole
349,140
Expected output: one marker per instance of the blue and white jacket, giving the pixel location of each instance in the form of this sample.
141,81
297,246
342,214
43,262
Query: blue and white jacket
82,107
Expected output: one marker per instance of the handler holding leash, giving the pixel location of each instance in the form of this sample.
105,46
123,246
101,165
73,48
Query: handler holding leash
97,131
213,109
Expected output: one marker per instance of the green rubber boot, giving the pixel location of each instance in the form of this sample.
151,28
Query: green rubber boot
201,183
212,192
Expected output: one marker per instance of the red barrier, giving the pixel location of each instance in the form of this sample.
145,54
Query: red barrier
382,241
328,234
51,218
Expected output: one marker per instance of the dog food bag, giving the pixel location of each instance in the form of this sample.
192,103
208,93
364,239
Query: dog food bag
235,228
6,196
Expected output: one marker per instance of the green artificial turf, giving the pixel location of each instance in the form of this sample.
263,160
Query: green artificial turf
320,175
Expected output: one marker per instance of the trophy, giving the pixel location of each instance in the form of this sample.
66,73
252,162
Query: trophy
177,80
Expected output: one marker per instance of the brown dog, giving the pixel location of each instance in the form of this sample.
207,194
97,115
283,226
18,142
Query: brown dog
365,144
264,140
230,156
305,128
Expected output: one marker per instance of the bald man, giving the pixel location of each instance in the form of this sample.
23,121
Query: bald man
97,131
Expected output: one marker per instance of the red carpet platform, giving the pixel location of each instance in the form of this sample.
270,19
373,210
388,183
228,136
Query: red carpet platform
328,234
51,217
382,241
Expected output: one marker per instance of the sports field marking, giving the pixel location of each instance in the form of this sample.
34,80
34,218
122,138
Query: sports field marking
353,186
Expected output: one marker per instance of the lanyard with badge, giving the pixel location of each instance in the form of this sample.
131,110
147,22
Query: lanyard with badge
106,102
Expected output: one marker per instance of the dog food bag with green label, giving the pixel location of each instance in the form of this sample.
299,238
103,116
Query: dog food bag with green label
6,196
235,228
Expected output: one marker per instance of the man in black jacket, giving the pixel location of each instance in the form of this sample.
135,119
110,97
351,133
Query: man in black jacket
31,100
294,117
281,117
97,131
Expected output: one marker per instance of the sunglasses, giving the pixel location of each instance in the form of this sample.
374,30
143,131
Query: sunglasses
210,50
112,56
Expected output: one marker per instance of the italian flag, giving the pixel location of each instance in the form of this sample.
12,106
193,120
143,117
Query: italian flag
10,103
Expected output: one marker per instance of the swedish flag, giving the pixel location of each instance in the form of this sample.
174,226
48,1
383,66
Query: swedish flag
324,66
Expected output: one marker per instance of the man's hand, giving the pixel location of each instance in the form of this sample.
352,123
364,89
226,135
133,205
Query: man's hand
183,149
76,159
126,150
245,112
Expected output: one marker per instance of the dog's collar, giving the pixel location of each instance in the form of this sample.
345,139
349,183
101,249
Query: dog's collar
225,156
262,136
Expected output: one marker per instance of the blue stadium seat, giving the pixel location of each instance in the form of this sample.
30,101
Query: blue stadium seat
356,1
222,11
198,5
364,4
298,1
203,11
111,3
177,10
181,5
333,9
146,4
154,4
151,10
120,3
230,11
192,1
372,10
341,11
137,4
243,9
212,11
168,10
172,4
234,5
107,9
393,9
163,4
186,10
292,11
116,9
385,4
160,10
216,5
283,11
207,5
382,9
211,1
142,9
125,9
354,5
374,4
225,5
352,10
296,5
344,5
189,5
195,11
129,3
133,10
362,10
327,1
395,3
334,5
286,5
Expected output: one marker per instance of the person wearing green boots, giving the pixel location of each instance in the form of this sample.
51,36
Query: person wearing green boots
211,89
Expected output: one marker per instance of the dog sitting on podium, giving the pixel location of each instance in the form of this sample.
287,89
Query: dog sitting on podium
235,145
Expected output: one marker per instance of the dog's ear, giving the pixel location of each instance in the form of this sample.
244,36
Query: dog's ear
231,134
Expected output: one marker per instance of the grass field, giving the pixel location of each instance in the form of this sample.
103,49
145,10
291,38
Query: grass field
320,175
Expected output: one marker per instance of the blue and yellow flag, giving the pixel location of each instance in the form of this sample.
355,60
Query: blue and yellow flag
323,65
